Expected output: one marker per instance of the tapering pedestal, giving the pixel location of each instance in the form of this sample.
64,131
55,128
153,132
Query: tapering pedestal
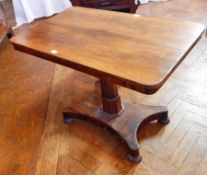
124,119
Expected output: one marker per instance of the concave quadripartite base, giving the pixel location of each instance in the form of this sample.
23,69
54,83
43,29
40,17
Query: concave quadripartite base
126,125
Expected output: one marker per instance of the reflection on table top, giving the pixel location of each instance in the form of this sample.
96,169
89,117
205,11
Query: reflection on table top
134,51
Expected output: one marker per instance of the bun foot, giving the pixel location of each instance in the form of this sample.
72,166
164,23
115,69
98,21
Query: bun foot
134,159
68,119
164,120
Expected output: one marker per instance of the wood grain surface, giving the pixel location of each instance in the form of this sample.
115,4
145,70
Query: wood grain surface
109,65
2,32
134,51
30,128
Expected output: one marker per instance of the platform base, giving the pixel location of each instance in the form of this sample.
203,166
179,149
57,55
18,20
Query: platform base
126,125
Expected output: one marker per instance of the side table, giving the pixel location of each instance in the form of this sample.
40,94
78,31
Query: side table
140,55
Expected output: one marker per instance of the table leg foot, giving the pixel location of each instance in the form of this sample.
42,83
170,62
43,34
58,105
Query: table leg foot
68,119
164,119
134,159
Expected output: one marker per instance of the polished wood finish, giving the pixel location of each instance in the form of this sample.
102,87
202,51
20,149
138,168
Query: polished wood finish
23,108
110,98
179,148
126,125
117,5
123,119
147,77
133,51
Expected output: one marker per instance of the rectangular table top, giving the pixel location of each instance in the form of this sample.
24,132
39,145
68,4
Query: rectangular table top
134,51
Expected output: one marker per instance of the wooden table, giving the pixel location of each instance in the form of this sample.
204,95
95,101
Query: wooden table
133,51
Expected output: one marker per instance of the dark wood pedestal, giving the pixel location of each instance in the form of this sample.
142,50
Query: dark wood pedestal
116,5
124,119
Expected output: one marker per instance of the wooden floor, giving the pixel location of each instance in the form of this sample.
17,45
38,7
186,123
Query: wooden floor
35,141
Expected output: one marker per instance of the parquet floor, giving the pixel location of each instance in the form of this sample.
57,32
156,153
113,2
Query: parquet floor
35,141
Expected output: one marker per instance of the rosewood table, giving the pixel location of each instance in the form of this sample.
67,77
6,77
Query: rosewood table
133,51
